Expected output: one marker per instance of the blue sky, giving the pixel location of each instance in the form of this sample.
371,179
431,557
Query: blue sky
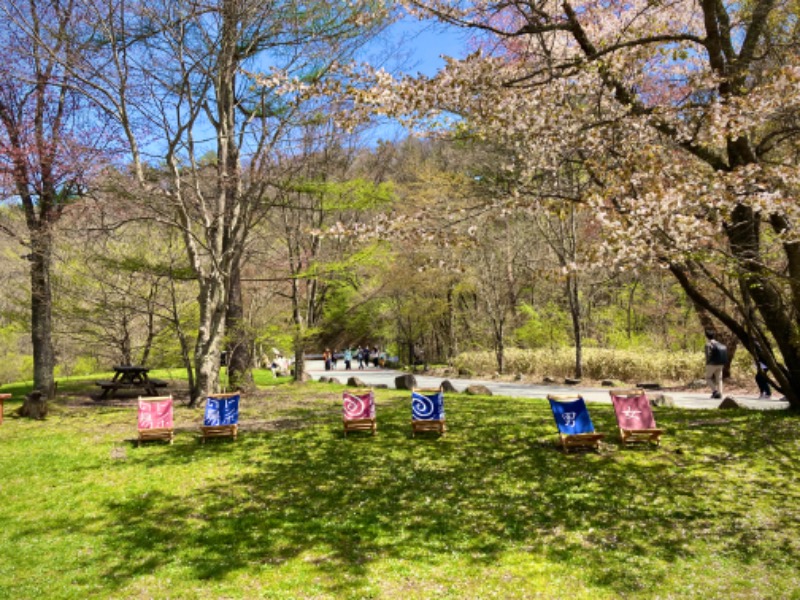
417,46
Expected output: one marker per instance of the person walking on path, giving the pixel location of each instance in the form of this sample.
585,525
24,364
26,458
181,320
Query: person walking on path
762,382
716,357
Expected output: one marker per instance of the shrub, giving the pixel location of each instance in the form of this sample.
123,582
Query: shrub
601,363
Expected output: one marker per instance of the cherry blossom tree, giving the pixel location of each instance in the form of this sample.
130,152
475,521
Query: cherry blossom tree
51,141
683,117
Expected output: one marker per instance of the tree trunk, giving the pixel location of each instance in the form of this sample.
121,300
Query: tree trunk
240,373
299,352
41,324
209,338
34,406
575,313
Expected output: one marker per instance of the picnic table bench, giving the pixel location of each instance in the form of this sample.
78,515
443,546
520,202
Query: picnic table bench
130,377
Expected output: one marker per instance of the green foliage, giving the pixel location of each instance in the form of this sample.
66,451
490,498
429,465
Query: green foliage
547,327
354,194
14,364
492,510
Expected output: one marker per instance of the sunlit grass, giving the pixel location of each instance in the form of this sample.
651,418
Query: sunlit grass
492,510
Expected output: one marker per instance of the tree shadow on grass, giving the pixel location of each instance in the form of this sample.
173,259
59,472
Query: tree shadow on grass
494,484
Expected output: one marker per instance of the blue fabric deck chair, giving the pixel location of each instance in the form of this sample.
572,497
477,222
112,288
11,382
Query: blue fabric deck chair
427,411
574,424
221,417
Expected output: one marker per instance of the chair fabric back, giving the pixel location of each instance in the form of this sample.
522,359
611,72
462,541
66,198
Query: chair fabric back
222,410
427,406
358,405
633,411
572,416
155,414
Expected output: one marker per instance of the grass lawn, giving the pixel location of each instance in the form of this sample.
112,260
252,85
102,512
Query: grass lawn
492,510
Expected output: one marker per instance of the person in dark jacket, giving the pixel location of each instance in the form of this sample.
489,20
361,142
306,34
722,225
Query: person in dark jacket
716,357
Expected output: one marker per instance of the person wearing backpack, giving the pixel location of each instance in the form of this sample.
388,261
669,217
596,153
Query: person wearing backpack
716,357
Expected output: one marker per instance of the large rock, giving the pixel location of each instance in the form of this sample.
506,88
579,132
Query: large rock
324,379
570,381
478,390
607,383
448,387
305,376
729,402
334,380
405,382
661,400
356,382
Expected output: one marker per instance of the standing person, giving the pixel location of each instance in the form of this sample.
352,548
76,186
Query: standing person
374,356
761,376
326,356
360,357
716,357
333,359
348,358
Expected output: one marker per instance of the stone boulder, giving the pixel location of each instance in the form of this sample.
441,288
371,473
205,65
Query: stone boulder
306,376
548,380
405,382
324,379
729,402
607,383
661,400
334,380
356,382
570,381
448,387
478,390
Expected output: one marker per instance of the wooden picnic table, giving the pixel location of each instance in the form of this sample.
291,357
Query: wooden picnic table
130,377
3,398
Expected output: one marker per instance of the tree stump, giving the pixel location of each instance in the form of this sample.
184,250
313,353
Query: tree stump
35,406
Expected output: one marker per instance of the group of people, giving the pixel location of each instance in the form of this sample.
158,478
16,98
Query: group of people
717,358
364,356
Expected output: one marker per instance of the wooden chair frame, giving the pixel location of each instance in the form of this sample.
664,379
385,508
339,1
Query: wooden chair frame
582,441
217,431
635,436
159,433
420,425
370,424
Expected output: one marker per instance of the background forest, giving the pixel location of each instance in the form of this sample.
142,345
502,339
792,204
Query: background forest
188,181
436,288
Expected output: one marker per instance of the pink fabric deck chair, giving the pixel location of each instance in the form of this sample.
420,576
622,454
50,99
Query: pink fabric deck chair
155,419
635,417
358,411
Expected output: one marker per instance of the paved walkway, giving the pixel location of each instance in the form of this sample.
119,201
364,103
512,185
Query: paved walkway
377,376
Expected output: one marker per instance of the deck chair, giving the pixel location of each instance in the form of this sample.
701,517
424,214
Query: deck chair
574,424
155,419
427,411
635,417
358,411
221,417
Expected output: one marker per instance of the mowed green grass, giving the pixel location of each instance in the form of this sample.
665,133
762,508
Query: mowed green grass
293,509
